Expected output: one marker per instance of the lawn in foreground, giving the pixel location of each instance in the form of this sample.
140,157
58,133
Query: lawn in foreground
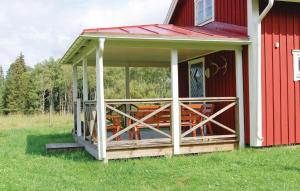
24,165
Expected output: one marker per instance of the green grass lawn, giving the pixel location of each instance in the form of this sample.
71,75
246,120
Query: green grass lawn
24,165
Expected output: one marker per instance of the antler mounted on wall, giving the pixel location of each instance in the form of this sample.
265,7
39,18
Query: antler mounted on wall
215,67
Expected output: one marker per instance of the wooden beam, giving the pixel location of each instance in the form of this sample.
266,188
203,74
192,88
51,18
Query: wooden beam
100,105
176,129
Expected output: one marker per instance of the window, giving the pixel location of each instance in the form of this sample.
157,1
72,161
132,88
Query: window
204,12
296,55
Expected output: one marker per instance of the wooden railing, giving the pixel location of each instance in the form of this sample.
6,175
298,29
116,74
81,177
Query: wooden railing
199,118
210,109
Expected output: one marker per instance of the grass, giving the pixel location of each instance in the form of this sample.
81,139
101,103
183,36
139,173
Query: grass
24,165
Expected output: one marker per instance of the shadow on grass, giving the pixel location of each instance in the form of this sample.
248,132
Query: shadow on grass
36,146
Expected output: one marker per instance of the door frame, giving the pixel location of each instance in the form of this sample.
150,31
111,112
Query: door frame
197,61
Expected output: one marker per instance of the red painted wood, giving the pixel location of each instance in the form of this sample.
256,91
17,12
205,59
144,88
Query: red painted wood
183,79
231,11
283,79
276,81
227,11
222,85
281,95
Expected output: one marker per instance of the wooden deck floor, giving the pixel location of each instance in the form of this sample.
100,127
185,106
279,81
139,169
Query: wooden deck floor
160,147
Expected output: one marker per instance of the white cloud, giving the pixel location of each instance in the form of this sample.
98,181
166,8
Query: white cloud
46,28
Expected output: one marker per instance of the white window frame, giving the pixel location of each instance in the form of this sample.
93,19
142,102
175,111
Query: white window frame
197,61
296,63
206,21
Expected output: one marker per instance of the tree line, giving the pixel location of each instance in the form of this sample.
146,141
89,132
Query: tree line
47,87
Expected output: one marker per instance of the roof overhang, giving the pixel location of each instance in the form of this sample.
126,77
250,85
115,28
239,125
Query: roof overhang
85,44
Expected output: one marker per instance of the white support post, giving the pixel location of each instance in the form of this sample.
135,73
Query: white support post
176,129
75,95
240,95
100,103
85,90
85,80
255,87
127,86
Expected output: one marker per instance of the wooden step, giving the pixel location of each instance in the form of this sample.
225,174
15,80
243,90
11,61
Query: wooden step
63,147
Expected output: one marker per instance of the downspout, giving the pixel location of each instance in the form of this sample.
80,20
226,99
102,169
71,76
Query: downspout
260,19
266,10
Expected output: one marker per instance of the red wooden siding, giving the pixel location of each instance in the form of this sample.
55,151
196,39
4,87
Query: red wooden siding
231,11
226,11
222,85
281,95
183,80
184,13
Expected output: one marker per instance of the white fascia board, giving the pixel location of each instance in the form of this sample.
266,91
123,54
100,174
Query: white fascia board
171,11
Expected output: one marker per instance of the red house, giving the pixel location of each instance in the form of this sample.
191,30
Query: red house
235,72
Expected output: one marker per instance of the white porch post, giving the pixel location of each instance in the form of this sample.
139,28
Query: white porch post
101,113
127,82
240,94
85,80
77,120
84,90
175,102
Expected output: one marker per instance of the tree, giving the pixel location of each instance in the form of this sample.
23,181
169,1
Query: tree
1,89
16,86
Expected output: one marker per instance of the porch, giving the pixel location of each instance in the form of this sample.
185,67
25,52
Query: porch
129,128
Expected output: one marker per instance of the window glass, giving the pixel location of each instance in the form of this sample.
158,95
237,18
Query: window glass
209,9
203,11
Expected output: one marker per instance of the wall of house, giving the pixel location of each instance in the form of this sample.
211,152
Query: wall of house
221,85
281,95
227,11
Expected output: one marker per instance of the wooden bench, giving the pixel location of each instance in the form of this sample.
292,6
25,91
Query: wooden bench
113,124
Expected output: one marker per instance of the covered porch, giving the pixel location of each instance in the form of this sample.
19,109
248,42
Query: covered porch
188,121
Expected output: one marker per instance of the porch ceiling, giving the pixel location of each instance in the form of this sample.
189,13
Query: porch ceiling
143,57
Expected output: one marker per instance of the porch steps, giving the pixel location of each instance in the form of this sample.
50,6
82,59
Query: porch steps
63,147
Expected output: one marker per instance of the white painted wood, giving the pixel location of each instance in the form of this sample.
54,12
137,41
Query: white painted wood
296,60
100,104
240,94
255,91
78,119
76,112
127,82
85,80
75,84
176,129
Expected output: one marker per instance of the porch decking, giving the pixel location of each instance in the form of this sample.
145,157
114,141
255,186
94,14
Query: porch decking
160,147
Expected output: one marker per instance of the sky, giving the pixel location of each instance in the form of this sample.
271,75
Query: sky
41,29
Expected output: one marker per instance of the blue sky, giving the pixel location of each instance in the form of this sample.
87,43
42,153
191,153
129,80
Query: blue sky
46,28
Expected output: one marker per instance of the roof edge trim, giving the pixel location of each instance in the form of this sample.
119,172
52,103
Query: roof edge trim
171,11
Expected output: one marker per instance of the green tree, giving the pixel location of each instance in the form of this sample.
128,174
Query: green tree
16,86
1,89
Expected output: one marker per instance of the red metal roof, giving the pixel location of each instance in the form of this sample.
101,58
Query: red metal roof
212,31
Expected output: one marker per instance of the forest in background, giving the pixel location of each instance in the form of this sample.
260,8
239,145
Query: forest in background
47,87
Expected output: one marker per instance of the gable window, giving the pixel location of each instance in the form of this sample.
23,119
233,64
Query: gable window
296,55
204,11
